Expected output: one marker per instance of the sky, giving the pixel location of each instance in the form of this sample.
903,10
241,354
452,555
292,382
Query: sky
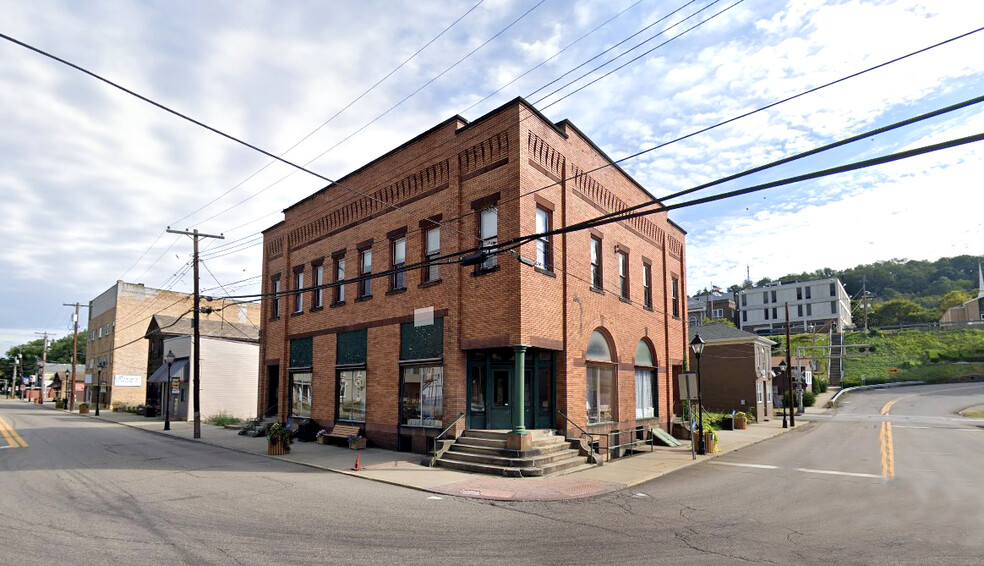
90,177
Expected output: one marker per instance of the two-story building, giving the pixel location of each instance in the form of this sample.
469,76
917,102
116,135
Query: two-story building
817,303
709,306
370,319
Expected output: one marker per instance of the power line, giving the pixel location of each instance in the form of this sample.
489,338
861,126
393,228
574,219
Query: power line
337,113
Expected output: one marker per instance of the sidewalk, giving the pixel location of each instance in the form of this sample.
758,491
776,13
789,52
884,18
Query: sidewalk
404,469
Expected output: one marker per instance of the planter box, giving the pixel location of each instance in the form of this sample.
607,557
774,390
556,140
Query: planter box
359,444
277,449
709,443
323,439
83,410
741,423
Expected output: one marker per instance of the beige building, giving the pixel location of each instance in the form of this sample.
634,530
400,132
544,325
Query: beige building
116,352
972,310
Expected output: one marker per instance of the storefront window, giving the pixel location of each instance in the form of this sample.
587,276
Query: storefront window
478,388
352,395
601,381
645,381
301,395
423,396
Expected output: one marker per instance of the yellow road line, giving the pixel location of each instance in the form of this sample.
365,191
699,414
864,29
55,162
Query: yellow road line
888,406
11,435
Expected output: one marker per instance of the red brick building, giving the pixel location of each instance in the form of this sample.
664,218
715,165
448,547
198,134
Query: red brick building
597,317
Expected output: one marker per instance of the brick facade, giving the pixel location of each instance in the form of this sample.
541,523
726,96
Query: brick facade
517,161
118,321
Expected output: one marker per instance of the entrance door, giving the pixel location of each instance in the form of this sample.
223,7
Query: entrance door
499,413
273,391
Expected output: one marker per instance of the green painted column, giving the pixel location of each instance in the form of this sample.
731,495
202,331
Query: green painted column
518,395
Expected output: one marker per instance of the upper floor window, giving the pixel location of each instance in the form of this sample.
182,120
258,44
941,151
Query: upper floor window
339,278
298,297
623,274
744,301
399,249
596,274
773,293
275,306
808,293
675,295
765,297
833,290
544,244
647,285
432,249
488,233
317,297
799,293
365,270
809,310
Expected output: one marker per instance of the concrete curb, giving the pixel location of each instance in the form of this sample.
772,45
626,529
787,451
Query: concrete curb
876,386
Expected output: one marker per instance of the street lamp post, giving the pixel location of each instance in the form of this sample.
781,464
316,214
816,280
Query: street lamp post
782,369
169,359
697,345
17,361
99,382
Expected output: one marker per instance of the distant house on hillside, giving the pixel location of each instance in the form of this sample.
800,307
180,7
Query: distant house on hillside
702,308
970,311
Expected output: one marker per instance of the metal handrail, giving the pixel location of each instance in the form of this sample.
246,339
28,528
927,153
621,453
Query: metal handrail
445,431
584,433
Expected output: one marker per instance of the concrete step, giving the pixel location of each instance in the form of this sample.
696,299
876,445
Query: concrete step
528,471
505,461
466,445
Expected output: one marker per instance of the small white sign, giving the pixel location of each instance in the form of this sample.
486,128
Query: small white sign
127,380
687,383
88,379
423,317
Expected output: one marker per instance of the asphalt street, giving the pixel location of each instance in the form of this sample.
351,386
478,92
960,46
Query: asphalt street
892,477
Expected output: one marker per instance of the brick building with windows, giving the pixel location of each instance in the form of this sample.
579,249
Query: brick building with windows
586,327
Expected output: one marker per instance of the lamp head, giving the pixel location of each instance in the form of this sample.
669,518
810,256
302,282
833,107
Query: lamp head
782,365
697,344
169,357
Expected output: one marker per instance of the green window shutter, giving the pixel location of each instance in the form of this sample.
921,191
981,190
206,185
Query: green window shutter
422,342
301,352
352,347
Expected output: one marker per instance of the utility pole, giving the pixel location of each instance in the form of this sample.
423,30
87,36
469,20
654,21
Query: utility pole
70,394
44,362
196,363
789,373
864,301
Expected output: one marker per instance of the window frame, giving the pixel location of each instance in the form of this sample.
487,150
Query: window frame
544,244
431,271
675,295
338,297
434,423
488,241
597,263
340,391
623,274
365,281
398,279
647,285
298,294
275,290
318,280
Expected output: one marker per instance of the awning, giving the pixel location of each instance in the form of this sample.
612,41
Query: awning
160,376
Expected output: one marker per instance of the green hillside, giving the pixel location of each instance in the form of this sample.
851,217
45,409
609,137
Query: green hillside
914,355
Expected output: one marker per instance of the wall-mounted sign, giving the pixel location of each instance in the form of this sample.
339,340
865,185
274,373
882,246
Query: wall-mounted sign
127,380
88,379
687,385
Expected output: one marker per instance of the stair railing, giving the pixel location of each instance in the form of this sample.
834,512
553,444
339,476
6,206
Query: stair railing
445,431
584,433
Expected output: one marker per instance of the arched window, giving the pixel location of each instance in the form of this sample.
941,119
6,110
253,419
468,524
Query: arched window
600,379
645,381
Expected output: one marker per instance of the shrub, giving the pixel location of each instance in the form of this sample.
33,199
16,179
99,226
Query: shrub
820,385
809,399
222,419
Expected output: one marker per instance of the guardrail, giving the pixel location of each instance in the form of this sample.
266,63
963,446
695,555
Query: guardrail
875,386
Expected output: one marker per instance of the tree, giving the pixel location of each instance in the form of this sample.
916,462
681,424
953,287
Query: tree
899,311
59,352
954,298
725,321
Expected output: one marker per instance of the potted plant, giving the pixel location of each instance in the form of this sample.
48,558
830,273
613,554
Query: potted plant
356,442
741,422
710,441
278,440
83,408
322,436
119,406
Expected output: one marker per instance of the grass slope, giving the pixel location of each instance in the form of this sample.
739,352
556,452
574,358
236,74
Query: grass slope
914,355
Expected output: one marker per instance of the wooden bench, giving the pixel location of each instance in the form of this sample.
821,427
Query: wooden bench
344,431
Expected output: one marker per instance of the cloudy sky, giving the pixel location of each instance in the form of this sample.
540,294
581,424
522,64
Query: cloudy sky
90,177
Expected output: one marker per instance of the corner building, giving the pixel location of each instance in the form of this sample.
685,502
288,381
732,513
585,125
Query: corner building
589,325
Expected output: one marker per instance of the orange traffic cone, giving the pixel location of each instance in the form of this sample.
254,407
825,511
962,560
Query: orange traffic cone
358,463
